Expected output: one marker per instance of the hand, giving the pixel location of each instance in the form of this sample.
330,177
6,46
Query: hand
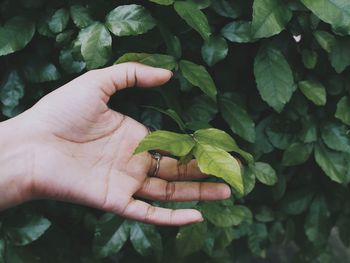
82,151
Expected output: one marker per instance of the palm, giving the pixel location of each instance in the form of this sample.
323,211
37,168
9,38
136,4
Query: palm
89,155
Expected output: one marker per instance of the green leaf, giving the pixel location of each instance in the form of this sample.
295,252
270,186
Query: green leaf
15,34
227,8
175,143
238,119
264,214
334,12
2,251
59,20
314,91
111,233
294,203
317,223
163,2
296,154
269,17
190,239
12,89
68,63
214,50
25,228
194,17
309,58
340,54
81,16
334,164
202,108
238,31
336,136
343,110
129,20
256,238
172,42
145,239
172,114
154,60
198,76
96,45
265,173
249,179
223,215
274,77
222,140
215,161
325,40
41,71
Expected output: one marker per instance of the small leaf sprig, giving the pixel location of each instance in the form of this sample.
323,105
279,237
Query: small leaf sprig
211,148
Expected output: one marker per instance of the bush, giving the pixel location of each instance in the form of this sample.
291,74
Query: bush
272,73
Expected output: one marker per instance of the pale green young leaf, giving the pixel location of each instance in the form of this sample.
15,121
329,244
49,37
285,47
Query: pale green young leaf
215,161
222,140
175,143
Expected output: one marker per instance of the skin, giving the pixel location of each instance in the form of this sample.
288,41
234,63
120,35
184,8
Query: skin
70,146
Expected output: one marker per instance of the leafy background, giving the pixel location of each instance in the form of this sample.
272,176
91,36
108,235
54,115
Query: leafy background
272,73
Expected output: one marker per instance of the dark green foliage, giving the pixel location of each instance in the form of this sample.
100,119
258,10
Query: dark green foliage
273,74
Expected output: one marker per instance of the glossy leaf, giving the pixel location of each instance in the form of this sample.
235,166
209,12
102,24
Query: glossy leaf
269,17
274,77
314,91
265,173
215,161
194,17
96,45
129,20
15,34
198,76
238,119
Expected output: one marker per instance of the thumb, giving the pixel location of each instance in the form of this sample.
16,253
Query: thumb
125,75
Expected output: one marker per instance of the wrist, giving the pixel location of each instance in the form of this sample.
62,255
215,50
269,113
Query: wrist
16,163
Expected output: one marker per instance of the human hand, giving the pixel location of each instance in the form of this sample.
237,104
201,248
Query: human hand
82,151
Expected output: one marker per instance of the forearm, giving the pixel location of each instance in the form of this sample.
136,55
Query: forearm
15,164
